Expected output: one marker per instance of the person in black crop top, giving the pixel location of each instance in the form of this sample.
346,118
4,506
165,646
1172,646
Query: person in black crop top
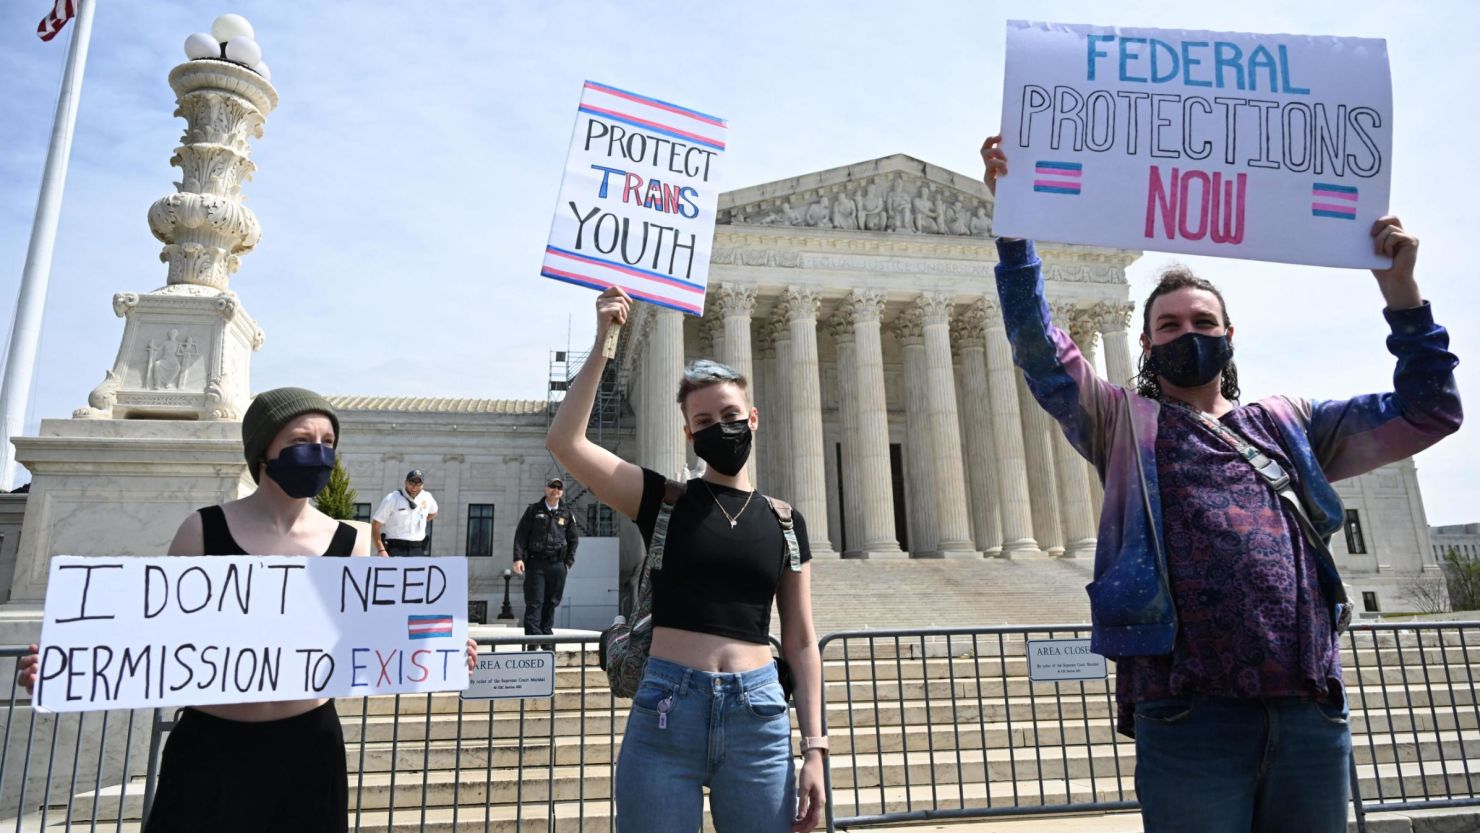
710,682
276,765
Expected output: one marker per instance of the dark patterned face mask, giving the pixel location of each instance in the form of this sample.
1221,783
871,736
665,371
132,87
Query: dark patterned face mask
1192,359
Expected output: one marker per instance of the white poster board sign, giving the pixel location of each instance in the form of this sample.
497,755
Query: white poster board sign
129,632
637,204
1266,147
1055,660
512,675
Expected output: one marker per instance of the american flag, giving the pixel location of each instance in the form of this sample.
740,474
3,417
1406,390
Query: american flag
63,11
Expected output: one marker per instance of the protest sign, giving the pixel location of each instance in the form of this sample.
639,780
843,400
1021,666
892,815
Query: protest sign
1267,147
637,203
128,632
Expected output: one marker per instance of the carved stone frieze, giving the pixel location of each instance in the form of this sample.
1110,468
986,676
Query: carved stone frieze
898,203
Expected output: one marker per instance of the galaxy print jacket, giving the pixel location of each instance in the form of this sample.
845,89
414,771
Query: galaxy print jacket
1115,429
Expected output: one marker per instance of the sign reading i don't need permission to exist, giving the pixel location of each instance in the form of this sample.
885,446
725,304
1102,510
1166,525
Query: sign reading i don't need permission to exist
1269,147
134,632
637,203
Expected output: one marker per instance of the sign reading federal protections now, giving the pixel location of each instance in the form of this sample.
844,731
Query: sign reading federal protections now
130,632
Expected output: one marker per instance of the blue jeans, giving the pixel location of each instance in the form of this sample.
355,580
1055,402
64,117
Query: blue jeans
689,729
1217,765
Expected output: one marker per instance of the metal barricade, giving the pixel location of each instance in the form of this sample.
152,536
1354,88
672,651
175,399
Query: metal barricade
943,723
927,724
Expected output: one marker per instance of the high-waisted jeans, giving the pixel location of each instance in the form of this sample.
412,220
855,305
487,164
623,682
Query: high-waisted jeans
689,729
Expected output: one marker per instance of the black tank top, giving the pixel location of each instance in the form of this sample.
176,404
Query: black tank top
218,540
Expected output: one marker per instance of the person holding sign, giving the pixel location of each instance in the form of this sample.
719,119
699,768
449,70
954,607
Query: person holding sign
1214,590
270,765
710,682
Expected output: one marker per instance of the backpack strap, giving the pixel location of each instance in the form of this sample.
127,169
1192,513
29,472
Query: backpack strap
642,610
672,491
782,510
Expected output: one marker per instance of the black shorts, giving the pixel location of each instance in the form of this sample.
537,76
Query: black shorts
231,776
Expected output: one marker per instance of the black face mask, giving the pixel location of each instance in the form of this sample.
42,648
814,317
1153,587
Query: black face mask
1192,359
725,446
302,470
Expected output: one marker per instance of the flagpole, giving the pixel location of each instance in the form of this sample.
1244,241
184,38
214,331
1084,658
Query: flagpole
20,363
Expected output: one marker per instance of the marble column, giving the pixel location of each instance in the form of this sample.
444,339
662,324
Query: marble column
736,305
765,400
666,354
976,410
875,481
799,307
919,455
1115,325
712,335
952,520
841,327
1014,495
780,436
1038,441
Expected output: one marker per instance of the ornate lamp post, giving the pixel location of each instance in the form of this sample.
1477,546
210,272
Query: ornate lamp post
507,612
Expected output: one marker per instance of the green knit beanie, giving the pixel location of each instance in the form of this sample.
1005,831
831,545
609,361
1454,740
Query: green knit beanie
273,409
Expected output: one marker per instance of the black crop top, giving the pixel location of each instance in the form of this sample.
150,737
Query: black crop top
715,579
217,539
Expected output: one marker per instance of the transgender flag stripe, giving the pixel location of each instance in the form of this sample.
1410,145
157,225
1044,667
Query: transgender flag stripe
1051,177
428,627
1335,201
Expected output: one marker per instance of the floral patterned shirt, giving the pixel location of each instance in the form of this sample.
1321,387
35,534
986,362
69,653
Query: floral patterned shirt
1244,579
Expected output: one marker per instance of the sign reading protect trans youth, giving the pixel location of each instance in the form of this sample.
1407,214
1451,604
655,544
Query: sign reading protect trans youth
1267,147
128,633
637,203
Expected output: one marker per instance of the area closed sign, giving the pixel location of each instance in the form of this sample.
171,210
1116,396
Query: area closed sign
514,675
1054,660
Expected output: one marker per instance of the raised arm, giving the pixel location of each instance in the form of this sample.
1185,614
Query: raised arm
1352,436
1059,377
614,481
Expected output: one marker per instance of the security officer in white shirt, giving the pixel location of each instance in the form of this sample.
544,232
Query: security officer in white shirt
402,518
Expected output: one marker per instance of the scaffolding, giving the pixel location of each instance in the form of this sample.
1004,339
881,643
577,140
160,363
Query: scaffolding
610,413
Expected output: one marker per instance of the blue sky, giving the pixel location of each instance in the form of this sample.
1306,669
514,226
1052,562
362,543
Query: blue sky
405,183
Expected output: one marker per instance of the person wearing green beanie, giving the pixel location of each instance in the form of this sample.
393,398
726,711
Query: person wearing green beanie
275,765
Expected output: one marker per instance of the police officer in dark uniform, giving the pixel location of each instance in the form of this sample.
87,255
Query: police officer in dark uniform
544,550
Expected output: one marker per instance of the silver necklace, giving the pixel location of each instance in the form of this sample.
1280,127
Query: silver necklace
733,519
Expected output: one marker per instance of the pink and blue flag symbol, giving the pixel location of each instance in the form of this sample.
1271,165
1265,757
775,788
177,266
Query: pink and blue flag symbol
1057,177
428,627
1328,200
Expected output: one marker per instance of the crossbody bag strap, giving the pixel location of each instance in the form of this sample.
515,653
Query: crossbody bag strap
1279,480
783,512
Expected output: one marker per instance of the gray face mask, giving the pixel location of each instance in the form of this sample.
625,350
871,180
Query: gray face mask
725,446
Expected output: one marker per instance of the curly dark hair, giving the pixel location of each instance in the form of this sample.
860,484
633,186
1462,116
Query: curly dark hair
1173,278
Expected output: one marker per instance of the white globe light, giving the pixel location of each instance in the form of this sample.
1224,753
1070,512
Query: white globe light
263,71
229,26
201,45
243,51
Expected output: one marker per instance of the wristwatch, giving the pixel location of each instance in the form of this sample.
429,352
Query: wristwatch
808,744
